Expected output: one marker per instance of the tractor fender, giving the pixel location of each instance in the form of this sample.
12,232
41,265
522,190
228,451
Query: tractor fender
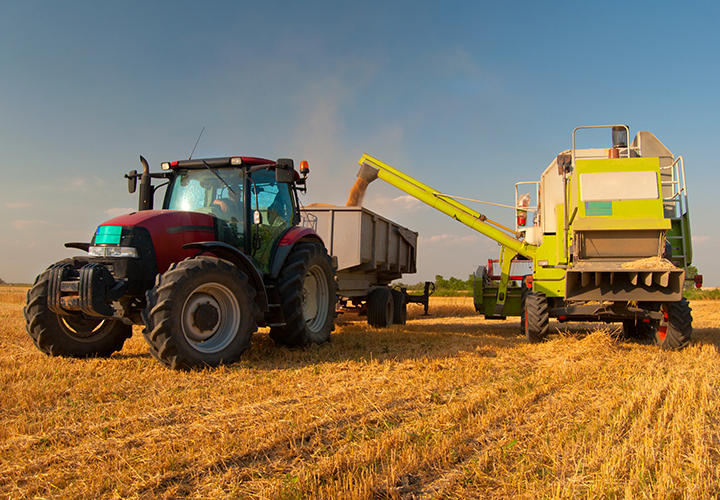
286,244
232,254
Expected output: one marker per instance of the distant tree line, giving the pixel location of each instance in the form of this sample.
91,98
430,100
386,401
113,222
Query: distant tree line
445,286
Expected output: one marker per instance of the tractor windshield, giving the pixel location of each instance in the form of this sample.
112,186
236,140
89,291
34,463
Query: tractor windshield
218,192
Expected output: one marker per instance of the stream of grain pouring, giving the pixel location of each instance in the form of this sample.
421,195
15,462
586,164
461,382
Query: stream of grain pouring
357,193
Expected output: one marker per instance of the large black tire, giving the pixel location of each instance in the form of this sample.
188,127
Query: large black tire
675,330
308,295
536,324
400,306
381,308
201,312
76,335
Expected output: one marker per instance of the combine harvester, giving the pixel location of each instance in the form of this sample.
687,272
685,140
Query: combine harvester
610,241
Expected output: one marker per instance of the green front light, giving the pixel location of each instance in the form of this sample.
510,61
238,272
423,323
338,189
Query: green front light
108,235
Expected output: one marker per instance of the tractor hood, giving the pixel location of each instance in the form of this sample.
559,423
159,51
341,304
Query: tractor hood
168,229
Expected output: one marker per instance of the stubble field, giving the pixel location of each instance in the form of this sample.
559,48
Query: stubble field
450,406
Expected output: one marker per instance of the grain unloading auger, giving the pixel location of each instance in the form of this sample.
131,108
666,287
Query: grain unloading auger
610,241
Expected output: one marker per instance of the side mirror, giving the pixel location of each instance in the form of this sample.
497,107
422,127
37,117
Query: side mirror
564,163
285,171
132,181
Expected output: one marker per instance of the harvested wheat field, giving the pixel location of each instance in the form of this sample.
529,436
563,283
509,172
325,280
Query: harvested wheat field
449,406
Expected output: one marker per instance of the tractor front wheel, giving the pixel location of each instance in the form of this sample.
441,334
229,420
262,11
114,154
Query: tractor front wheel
200,313
675,328
308,294
74,335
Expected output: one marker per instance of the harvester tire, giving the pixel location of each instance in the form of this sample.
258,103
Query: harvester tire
380,308
201,312
536,317
308,295
400,312
675,329
74,335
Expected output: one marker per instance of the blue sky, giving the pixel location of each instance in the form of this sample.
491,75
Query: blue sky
469,97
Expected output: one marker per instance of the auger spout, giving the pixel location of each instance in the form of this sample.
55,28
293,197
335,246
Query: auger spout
372,168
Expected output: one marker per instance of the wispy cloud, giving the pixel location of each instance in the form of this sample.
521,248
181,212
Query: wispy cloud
405,203
27,224
18,204
701,239
450,239
112,212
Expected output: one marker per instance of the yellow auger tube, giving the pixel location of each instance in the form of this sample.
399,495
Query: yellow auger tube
373,168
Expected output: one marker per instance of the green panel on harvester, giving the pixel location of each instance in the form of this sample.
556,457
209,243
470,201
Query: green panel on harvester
594,208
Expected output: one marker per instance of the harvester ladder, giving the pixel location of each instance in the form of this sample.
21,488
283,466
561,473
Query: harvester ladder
678,197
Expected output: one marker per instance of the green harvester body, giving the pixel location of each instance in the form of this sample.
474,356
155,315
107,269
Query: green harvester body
609,241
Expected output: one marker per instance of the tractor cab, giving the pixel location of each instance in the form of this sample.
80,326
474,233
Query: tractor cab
252,200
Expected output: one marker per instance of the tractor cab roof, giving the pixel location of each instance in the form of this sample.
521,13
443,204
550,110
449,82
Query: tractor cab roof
228,161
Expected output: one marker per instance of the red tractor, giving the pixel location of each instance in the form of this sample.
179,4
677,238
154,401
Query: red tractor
225,255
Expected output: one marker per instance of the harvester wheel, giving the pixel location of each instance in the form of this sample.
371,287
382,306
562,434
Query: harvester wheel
536,317
381,308
74,335
308,294
201,312
675,328
400,312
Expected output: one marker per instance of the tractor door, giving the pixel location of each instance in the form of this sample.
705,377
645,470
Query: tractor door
272,209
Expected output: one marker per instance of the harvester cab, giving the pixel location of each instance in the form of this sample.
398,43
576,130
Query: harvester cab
608,240
224,255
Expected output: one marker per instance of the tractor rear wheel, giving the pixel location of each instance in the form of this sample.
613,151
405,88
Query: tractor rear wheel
74,335
201,312
400,312
380,308
536,317
308,294
675,329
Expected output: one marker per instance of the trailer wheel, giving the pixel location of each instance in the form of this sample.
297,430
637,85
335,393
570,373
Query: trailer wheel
400,308
74,335
381,308
308,294
201,312
675,329
536,317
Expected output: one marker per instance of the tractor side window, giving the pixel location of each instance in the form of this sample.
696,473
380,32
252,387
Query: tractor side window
274,202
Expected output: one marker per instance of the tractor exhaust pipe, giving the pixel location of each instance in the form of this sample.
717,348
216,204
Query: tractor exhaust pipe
146,191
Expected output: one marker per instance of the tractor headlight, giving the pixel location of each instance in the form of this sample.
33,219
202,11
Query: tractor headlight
114,252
